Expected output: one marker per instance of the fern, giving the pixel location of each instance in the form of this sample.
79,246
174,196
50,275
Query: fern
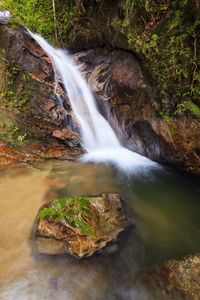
70,209
48,211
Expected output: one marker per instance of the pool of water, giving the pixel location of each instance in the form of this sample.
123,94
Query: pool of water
166,206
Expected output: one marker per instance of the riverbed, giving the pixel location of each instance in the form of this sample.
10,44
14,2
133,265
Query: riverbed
166,207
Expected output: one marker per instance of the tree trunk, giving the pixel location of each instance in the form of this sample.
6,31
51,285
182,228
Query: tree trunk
55,21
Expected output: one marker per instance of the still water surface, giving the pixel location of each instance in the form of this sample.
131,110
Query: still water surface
166,207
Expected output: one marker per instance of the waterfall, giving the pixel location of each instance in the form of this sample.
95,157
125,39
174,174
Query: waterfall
99,139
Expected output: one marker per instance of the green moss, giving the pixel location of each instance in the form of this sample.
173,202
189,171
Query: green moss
193,108
10,131
15,91
14,95
12,24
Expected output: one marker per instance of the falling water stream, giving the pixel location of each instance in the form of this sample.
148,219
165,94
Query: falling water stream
99,139
165,203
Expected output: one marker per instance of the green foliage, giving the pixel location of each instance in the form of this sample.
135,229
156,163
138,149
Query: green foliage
37,15
188,106
73,210
21,138
164,34
167,38
48,211
193,108
11,133
16,95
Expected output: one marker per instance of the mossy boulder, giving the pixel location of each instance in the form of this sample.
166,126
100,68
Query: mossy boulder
108,216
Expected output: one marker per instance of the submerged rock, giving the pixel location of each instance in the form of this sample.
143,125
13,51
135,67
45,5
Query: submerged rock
176,279
109,216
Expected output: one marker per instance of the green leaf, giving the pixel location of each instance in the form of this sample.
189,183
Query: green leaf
69,219
68,201
185,73
84,213
154,37
59,203
84,207
152,43
47,212
62,215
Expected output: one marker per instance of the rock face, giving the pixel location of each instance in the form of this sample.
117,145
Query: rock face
176,279
33,121
116,77
31,117
109,217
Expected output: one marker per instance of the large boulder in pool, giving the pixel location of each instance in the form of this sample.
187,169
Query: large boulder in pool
107,216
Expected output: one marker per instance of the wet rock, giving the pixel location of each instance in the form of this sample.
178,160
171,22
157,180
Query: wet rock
31,114
69,135
35,152
109,216
33,122
116,77
176,279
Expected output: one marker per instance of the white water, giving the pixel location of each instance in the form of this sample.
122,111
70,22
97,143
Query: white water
5,14
99,139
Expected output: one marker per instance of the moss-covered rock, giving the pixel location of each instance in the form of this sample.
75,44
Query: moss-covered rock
107,216
164,34
31,117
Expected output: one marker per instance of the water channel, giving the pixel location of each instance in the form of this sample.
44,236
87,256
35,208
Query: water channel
166,207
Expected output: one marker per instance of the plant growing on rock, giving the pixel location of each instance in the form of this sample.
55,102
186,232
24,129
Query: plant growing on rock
73,210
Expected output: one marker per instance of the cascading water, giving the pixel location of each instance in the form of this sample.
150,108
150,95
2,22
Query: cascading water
98,137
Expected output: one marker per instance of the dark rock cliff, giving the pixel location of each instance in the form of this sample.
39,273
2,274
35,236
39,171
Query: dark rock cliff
116,78
34,124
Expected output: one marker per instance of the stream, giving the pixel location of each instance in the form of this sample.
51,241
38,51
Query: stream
166,207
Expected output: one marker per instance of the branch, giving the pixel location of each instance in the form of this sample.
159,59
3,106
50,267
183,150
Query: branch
195,65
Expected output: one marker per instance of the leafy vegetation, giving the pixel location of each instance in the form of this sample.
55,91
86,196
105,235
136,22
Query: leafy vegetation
165,34
11,133
16,95
166,37
74,210
38,15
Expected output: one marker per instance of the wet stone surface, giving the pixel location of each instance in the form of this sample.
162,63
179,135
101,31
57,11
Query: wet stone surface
109,216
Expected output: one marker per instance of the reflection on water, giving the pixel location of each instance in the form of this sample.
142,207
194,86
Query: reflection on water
166,211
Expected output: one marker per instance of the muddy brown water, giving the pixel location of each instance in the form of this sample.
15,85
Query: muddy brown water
166,208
